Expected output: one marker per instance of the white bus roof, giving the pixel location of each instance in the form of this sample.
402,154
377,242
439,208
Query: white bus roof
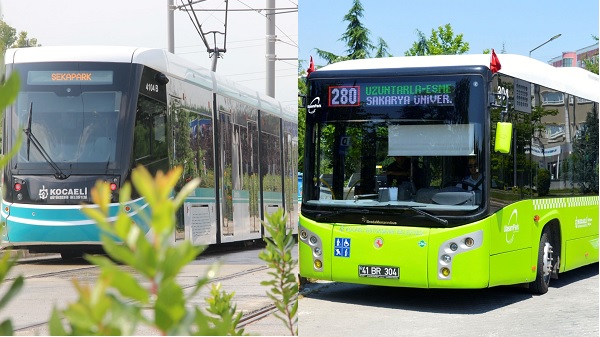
157,59
573,80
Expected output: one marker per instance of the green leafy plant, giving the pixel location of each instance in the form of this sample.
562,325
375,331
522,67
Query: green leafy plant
8,93
117,304
543,182
283,284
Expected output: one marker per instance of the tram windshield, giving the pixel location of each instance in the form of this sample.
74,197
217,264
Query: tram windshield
396,143
71,110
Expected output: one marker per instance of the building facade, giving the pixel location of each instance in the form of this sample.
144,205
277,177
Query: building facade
576,58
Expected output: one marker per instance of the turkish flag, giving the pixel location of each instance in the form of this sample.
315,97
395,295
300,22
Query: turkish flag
311,67
495,63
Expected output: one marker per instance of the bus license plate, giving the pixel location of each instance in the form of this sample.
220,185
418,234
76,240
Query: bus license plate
379,272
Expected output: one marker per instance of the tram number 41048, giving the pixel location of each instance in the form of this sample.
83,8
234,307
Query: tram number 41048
379,272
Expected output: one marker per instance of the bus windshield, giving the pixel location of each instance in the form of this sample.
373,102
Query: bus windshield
396,143
72,113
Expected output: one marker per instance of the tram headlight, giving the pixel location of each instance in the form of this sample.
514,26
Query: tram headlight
453,246
303,235
318,264
445,271
313,240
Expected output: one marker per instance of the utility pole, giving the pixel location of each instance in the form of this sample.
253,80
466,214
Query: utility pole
170,26
270,48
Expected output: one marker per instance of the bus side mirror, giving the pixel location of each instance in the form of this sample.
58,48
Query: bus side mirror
503,137
302,102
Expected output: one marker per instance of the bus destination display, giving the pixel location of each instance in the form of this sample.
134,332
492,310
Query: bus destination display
375,95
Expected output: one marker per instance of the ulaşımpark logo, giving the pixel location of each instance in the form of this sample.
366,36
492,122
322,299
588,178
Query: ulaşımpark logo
512,227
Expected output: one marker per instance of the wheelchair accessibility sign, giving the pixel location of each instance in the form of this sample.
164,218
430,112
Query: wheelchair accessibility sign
342,247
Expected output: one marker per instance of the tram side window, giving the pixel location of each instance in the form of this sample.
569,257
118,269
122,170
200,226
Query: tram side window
150,135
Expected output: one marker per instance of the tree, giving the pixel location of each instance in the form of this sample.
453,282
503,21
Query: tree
382,49
585,154
359,46
9,38
592,64
356,37
441,42
301,115
23,41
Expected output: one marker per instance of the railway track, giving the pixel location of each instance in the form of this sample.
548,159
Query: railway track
244,277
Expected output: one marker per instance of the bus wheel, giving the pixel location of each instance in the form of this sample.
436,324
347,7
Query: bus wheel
302,281
544,265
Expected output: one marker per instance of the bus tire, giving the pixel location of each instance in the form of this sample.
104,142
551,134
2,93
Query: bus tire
544,265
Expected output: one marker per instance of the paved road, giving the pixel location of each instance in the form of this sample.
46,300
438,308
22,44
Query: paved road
570,308
49,284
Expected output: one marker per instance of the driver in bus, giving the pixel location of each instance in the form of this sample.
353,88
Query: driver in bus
398,171
474,179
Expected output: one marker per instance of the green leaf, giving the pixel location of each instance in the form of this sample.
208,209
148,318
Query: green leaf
185,192
6,328
143,182
178,257
170,305
10,90
128,286
55,324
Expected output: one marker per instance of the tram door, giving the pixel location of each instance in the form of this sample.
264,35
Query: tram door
227,181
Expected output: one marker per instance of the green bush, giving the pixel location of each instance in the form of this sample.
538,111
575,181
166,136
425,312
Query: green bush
8,93
278,255
117,303
543,182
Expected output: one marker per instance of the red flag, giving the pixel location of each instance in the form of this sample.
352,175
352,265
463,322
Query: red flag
495,63
311,67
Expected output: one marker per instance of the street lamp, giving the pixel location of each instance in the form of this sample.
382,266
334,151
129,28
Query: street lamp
553,38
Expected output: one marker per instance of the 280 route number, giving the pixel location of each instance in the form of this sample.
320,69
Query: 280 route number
344,96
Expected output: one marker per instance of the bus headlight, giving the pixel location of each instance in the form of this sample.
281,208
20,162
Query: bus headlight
313,240
446,258
451,248
317,251
318,264
469,242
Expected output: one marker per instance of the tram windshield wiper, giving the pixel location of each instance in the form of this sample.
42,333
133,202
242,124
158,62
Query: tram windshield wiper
58,174
427,215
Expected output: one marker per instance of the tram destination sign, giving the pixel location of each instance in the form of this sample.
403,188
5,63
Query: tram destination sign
392,94
66,77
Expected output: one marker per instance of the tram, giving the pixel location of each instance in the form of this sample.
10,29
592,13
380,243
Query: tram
95,113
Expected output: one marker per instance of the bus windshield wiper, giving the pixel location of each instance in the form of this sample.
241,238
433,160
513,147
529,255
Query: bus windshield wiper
328,214
427,215
58,174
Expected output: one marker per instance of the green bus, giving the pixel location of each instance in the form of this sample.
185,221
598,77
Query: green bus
500,162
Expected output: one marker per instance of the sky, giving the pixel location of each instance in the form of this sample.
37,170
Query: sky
143,23
509,26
